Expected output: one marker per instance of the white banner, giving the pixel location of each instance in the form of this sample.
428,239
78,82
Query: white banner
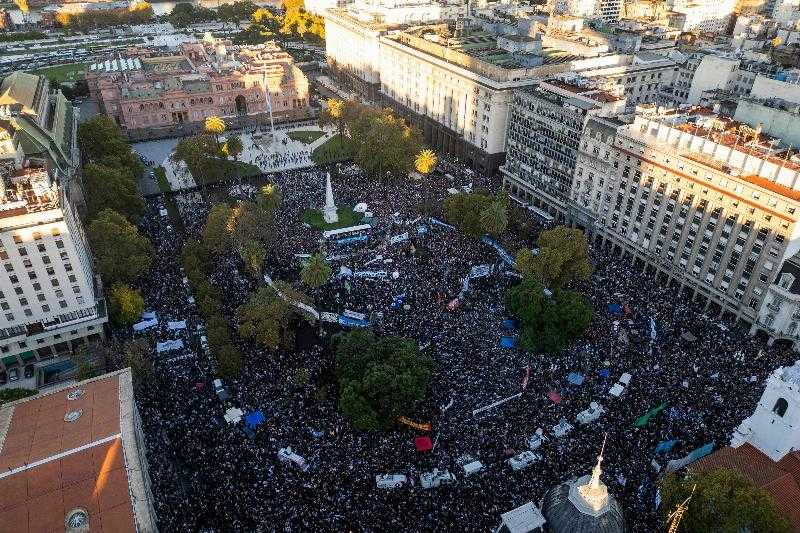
370,274
399,238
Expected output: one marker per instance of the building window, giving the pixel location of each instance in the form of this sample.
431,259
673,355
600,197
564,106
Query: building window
40,247
45,308
22,250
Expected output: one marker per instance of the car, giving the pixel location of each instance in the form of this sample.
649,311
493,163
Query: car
429,480
591,414
537,439
390,481
286,455
523,460
472,468
28,373
13,374
620,386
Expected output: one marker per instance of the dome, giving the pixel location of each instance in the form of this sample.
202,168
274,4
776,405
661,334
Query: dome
564,513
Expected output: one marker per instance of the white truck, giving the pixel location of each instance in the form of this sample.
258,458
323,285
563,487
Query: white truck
390,481
286,455
537,439
524,460
591,414
429,480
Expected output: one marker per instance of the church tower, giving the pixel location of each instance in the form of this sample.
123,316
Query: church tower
774,427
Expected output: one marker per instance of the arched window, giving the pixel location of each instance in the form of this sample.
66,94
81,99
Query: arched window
780,407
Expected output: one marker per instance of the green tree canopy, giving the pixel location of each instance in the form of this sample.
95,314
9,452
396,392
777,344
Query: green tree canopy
122,255
229,361
317,271
268,318
136,356
464,211
548,322
253,254
12,395
101,141
111,188
723,502
252,222
217,231
563,257
127,304
494,217
379,379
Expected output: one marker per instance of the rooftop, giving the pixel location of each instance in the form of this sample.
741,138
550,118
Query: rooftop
28,190
74,448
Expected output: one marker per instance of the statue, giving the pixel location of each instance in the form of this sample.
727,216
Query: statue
329,212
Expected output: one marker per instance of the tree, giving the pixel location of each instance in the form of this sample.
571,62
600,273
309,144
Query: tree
270,197
549,321
425,162
215,127
136,356
563,257
101,141
122,255
525,262
334,113
379,379
724,501
229,361
217,231
464,210
23,6
267,318
253,254
316,272
494,217
109,188
233,148
127,304
250,222
12,395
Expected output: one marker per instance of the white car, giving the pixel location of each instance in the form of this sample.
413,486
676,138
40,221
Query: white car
591,414
472,468
436,478
523,460
286,455
537,439
390,481
562,428
620,386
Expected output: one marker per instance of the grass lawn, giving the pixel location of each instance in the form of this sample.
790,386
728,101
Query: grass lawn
347,217
330,151
62,73
306,136
163,182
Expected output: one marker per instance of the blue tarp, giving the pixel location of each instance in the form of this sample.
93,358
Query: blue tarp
254,419
440,223
575,379
422,230
666,446
509,324
504,255
508,342
144,324
604,373
615,309
168,346
398,300
148,315
351,240
353,322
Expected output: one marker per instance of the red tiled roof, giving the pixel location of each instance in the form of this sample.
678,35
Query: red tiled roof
48,467
781,480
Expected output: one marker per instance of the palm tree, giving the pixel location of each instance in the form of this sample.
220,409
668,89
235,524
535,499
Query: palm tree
215,126
424,163
494,217
317,272
270,197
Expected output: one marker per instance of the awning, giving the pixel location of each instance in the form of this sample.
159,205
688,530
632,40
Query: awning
10,360
28,356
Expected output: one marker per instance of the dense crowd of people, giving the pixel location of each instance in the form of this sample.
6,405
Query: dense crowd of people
209,475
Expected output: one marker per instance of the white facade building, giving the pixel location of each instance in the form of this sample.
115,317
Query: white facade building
49,297
709,16
774,426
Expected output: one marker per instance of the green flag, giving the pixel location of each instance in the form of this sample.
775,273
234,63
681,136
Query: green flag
645,418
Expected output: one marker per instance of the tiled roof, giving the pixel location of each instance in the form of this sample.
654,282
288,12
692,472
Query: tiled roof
781,480
50,466
20,88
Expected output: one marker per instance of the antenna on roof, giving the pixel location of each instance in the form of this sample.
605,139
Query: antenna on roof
674,519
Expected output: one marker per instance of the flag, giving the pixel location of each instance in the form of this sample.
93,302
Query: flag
645,418
527,377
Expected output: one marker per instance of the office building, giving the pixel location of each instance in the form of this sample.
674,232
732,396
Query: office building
50,299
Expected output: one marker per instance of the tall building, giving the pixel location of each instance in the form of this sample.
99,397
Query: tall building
50,299
705,202
708,16
152,95
73,459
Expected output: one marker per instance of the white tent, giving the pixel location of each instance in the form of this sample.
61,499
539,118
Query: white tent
233,415
523,519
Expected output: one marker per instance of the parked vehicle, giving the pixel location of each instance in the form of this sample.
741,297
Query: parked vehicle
29,369
220,390
524,460
390,481
537,439
591,414
429,480
13,374
286,455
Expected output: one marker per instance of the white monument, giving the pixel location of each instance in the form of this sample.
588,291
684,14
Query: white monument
774,427
329,212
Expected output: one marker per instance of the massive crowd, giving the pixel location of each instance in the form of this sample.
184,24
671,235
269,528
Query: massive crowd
209,475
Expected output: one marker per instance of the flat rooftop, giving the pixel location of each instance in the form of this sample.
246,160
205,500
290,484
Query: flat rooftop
74,448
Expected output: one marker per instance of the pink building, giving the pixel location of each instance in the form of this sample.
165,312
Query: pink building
154,96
